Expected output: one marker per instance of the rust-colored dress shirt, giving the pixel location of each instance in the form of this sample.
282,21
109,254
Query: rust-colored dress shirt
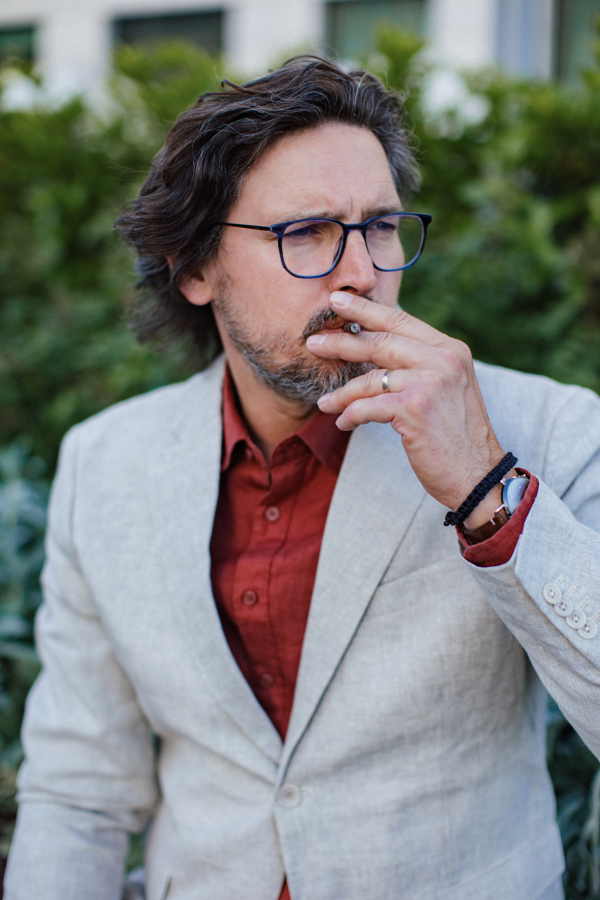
265,546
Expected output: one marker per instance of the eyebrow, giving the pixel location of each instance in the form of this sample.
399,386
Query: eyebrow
332,214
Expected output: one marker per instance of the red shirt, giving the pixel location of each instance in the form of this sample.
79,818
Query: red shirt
265,546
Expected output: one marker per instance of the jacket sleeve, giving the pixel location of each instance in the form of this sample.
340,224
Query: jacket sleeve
555,569
88,777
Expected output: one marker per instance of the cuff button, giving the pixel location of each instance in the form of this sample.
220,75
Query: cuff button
577,619
589,630
563,608
552,593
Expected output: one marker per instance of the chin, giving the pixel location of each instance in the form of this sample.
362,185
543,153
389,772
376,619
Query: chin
304,381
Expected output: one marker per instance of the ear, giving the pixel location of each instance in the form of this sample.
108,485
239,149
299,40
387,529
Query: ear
197,290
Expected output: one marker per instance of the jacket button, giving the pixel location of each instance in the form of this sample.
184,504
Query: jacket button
551,593
563,608
289,796
576,619
589,630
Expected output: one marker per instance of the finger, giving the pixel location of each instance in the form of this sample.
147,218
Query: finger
388,351
377,317
368,385
382,409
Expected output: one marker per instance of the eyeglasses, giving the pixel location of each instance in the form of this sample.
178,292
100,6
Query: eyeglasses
312,248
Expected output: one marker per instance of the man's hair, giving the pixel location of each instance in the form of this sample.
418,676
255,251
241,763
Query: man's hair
196,177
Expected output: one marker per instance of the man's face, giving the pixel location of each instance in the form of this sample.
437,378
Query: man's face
264,314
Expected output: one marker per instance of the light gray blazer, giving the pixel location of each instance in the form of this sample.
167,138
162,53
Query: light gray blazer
414,762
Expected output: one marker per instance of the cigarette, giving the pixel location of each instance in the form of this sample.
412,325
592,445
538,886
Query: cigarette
352,328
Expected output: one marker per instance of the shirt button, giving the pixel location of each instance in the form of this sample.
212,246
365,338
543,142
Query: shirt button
272,513
265,680
289,796
250,598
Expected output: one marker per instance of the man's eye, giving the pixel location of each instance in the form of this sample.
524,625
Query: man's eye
301,231
384,227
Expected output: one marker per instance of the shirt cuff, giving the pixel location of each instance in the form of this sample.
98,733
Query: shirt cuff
499,548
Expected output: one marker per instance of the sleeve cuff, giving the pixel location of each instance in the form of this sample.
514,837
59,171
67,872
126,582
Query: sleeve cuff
499,548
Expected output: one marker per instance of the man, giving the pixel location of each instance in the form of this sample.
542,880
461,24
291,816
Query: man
259,640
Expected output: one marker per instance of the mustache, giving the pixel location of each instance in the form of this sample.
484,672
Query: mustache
320,318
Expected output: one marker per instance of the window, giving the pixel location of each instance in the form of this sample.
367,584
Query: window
352,24
17,44
521,37
205,29
576,36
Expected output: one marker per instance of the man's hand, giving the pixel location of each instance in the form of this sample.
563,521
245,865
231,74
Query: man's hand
434,401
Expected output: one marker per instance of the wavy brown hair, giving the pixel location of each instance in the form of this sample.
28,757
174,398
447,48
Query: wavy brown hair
196,177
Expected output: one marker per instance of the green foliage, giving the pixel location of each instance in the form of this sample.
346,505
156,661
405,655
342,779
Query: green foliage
166,79
65,278
23,498
576,778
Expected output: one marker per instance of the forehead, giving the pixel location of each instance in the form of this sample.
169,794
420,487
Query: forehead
337,170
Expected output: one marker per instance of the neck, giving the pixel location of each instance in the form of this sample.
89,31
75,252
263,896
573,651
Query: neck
269,417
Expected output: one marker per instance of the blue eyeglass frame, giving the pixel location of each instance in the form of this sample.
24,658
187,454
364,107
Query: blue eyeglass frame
279,228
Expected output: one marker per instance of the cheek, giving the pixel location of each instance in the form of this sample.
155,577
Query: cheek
268,297
388,286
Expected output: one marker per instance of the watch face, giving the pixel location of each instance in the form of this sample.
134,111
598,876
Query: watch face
513,491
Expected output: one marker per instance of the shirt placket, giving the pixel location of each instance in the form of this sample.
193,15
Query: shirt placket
256,608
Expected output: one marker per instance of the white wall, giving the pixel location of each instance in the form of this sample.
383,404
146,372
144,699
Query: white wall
75,35
261,32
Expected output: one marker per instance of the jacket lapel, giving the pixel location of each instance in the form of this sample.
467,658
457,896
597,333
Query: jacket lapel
375,500
184,475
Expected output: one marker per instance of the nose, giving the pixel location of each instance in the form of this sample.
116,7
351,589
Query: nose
355,271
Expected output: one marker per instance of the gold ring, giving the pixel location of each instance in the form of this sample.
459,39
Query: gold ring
385,381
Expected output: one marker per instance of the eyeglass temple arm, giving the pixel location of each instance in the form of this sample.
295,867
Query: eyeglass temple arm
253,227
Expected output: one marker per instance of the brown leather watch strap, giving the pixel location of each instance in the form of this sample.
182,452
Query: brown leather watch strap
485,531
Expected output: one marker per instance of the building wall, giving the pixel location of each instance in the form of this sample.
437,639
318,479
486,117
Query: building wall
74,37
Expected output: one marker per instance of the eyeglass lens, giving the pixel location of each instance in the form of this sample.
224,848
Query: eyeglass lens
310,247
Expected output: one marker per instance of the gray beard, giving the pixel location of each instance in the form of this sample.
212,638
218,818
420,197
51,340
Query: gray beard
299,379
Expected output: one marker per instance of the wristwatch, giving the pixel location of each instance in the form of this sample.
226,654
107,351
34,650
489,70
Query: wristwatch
513,491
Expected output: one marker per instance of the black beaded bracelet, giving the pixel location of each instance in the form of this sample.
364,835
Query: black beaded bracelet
479,492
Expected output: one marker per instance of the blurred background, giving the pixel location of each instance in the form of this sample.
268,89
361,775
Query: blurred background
504,99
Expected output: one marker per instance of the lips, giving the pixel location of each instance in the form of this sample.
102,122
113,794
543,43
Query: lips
324,321
329,327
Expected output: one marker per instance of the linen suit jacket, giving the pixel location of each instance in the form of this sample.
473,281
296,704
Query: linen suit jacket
414,763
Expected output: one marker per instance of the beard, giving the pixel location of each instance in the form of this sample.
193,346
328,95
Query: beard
297,378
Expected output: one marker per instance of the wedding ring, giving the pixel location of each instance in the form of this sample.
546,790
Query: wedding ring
385,381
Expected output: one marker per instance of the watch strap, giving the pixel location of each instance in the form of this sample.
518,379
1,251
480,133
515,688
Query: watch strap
502,514
485,531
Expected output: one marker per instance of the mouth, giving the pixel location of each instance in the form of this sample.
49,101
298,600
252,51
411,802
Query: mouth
323,322
334,327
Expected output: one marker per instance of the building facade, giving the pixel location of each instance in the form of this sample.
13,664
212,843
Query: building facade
71,41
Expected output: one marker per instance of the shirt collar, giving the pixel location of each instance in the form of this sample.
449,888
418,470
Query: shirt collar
321,435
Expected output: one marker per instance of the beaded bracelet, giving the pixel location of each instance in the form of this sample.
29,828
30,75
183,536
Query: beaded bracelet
479,492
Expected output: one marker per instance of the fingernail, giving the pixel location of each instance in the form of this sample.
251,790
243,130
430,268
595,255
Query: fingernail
323,401
315,340
339,298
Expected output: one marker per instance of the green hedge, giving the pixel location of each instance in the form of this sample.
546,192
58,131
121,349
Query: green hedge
512,266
